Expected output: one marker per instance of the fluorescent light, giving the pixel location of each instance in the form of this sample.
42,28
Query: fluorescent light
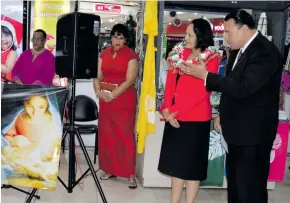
189,19
195,14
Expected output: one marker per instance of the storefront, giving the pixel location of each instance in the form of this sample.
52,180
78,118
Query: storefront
172,31
23,17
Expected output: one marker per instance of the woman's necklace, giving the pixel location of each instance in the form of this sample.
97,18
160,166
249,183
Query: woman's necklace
194,56
37,52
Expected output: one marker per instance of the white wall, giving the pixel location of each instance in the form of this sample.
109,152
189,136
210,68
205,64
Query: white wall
85,87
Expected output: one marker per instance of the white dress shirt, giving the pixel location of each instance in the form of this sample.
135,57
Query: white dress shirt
241,50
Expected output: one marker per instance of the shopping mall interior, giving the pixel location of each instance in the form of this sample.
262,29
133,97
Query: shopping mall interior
24,17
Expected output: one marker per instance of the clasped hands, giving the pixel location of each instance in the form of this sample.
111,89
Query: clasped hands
105,96
170,118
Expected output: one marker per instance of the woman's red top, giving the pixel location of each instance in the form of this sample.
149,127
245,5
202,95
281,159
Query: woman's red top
4,56
114,71
191,100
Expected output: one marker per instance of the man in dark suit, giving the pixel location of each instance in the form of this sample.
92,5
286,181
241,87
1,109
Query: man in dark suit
249,106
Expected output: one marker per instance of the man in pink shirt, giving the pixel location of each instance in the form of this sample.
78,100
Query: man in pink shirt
35,66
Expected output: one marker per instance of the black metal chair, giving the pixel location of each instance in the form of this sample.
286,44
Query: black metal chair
86,110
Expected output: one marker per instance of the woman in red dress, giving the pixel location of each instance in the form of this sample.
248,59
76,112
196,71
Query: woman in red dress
187,110
117,71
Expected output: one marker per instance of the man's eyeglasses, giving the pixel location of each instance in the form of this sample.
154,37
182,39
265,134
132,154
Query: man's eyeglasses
37,39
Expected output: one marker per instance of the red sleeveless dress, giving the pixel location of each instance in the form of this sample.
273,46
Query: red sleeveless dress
117,144
4,56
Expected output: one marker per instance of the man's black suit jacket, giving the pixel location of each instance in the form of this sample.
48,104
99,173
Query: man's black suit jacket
249,106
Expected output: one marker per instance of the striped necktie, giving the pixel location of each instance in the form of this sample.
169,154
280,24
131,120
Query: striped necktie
237,58
239,55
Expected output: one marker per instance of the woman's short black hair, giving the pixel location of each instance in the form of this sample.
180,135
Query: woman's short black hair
5,30
120,29
242,17
203,32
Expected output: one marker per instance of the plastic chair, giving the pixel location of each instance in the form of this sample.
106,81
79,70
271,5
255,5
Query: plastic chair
86,110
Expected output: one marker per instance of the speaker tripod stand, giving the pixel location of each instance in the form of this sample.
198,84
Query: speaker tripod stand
73,131
30,195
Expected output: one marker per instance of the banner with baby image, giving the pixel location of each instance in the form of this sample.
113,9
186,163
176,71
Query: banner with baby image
31,131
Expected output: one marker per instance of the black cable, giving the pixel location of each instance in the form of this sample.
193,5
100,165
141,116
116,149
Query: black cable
91,173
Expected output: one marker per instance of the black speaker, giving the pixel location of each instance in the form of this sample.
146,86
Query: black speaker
77,45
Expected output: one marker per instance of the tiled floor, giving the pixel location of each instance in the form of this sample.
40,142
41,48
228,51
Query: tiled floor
116,191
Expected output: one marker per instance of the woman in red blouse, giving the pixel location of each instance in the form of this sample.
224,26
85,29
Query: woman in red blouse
187,110
117,71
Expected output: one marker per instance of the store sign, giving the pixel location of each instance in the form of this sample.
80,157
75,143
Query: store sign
176,30
108,8
218,27
45,17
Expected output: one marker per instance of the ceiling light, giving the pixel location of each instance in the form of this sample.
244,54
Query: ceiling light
102,21
189,19
116,22
179,12
195,14
112,20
